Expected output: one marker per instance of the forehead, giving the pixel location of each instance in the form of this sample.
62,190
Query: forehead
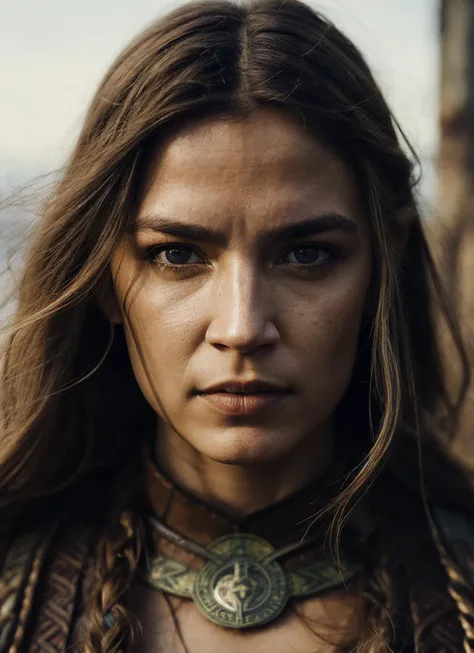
265,167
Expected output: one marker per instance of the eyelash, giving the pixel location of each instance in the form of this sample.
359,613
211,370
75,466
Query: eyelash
151,253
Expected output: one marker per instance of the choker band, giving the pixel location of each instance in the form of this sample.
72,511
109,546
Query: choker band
242,573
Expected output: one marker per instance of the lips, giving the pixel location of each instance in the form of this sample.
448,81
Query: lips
246,387
244,398
243,404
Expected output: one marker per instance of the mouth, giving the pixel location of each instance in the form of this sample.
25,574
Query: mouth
244,403
255,386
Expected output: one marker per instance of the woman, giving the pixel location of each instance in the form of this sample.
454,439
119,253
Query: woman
225,418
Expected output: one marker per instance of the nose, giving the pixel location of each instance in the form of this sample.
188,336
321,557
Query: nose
242,317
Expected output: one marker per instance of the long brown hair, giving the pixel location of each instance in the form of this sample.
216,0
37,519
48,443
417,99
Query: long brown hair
64,377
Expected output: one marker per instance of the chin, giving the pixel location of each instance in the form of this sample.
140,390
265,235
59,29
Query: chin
246,446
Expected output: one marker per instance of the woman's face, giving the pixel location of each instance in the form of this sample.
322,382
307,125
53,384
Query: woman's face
250,260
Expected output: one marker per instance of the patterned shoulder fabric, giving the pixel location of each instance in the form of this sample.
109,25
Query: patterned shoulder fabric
434,614
22,566
43,579
455,535
61,595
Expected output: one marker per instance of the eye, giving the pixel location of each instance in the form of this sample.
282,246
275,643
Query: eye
309,255
173,255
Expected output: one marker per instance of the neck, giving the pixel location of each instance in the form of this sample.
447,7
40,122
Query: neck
243,489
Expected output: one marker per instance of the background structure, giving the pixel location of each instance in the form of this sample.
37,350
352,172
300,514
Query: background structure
455,233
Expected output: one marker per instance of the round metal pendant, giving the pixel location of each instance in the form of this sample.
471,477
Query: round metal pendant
242,590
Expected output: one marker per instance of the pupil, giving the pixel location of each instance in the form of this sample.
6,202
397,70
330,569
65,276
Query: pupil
306,254
178,256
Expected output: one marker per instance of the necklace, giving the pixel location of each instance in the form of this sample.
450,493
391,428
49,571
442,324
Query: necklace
241,574
241,583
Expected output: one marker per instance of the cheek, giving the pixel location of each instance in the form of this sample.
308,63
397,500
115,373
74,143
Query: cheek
326,334
161,337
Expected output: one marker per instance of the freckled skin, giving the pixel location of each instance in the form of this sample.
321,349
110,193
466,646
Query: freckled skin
240,313
244,309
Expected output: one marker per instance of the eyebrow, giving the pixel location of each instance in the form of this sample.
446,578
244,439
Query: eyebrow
310,226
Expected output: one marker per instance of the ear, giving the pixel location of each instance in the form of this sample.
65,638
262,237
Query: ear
404,221
370,304
108,301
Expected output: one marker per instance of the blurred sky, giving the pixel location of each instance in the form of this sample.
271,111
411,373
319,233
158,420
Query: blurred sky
54,52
